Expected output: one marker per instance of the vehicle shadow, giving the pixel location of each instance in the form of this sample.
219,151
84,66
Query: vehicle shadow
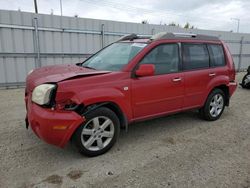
167,125
139,138
137,132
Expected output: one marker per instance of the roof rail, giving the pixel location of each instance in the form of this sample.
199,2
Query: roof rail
185,34
165,35
133,36
128,37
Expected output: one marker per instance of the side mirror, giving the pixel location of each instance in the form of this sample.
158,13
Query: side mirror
145,70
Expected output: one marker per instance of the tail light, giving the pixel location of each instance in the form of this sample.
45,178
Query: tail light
231,65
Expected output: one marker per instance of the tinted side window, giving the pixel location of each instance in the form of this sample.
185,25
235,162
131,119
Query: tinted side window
195,56
216,55
165,58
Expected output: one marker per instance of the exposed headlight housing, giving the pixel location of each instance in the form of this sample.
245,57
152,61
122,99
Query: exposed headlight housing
42,94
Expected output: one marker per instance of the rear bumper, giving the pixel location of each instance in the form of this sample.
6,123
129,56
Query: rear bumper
232,87
54,127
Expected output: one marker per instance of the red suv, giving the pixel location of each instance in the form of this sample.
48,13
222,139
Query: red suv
130,80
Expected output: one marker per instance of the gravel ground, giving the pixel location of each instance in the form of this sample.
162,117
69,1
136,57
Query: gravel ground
175,151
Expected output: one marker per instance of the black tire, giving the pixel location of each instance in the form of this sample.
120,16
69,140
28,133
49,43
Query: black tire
101,112
205,112
243,85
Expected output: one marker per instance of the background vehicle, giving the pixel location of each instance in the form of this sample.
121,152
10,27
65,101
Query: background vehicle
246,80
131,80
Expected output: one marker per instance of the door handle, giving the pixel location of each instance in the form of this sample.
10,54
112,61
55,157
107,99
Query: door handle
176,79
212,74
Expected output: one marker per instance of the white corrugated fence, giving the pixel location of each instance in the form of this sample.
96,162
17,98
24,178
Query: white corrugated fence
29,40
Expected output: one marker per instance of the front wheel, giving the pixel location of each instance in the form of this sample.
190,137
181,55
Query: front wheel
99,133
214,105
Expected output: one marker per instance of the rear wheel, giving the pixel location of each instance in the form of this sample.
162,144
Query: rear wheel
214,105
99,133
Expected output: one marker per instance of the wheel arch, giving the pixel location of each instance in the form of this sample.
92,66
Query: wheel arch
112,106
219,82
225,89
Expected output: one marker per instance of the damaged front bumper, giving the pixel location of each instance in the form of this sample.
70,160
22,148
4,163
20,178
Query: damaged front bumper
52,126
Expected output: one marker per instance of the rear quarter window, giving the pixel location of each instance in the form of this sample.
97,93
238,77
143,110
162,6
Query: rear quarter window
217,57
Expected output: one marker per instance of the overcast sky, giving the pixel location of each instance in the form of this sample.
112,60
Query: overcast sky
203,14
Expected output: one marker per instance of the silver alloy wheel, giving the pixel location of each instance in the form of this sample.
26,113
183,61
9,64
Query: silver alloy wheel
97,133
216,105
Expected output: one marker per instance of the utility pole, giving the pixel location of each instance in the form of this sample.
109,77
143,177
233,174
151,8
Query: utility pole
238,20
35,4
61,6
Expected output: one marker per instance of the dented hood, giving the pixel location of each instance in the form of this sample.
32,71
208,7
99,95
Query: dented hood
57,73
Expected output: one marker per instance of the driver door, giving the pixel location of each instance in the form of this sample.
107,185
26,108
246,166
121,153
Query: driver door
164,92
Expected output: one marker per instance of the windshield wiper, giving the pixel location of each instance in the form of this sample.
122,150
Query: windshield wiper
88,67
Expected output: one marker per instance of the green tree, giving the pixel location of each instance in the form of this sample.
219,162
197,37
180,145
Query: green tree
188,26
173,24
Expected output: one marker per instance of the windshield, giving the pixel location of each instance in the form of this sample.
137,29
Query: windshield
114,57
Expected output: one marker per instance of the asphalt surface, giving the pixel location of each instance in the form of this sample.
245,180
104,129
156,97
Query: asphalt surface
181,150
